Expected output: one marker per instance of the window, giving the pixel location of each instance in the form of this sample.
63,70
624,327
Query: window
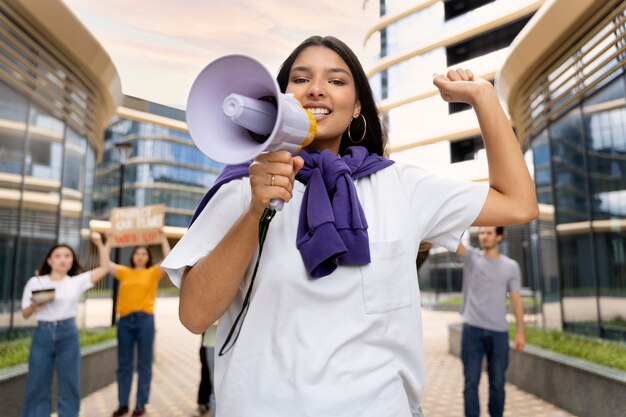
485,43
465,149
454,8
383,43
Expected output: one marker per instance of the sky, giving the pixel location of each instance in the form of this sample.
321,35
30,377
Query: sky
160,46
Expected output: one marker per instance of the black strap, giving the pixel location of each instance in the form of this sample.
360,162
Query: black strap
264,224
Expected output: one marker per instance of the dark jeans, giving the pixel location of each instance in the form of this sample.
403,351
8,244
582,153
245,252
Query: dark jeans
206,387
134,329
54,346
475,344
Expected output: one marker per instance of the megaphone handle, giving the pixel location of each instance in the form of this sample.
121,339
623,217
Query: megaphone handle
277,204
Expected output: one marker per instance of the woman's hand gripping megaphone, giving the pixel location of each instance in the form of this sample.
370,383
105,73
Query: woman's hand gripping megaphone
272,177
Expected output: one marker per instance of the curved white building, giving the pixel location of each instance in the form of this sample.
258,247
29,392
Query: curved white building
415,39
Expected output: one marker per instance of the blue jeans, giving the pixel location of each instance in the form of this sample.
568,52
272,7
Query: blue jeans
134,329
54,346
475,344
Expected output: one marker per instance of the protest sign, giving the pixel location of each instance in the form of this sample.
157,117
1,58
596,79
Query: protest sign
132,226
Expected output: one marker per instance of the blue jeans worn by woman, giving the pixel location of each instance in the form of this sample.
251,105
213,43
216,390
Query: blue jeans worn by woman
475,344
54,346
134,329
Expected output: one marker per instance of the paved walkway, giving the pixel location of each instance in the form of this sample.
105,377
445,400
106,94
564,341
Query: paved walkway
176,371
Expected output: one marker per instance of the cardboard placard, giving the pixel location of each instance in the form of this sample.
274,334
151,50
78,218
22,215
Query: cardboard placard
133,226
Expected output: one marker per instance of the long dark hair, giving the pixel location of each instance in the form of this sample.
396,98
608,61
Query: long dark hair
375,136
45,269
132,255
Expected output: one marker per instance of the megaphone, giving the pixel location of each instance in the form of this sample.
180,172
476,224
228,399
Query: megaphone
235,111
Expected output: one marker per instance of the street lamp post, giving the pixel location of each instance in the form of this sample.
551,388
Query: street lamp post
124,149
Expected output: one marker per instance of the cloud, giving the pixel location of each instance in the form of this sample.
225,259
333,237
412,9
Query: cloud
157,41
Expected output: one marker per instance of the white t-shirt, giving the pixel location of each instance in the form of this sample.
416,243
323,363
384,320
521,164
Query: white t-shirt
345,345
66,295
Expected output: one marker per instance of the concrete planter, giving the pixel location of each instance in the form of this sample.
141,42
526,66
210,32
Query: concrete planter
583,388
97,370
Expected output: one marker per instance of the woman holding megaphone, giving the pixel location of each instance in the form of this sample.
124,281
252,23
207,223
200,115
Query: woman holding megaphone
332,325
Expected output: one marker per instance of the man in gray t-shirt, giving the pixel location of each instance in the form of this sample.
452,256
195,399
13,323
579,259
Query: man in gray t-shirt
487,277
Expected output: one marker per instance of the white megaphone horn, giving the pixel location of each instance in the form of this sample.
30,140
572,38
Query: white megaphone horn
235,111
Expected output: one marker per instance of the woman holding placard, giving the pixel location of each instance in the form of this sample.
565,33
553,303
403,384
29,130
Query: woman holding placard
135,307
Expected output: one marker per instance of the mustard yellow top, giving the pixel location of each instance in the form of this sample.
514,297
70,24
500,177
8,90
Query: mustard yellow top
137,290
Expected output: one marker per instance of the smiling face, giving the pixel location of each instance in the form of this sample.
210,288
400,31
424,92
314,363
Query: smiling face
61,260
322,82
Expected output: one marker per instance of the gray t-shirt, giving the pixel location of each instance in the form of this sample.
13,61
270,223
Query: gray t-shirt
485,284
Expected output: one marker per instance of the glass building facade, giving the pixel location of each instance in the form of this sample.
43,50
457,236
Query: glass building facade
163,167
572,114
51,120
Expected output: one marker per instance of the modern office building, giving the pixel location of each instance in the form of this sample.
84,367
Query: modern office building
565,85
163,166
58,91
559,65
411,41
415,39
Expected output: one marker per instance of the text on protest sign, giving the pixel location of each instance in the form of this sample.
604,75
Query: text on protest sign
132,226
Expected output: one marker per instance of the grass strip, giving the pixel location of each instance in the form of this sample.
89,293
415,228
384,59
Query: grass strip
15,352
600,351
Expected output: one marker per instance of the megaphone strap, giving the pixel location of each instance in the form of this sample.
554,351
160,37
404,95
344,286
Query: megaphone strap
235,329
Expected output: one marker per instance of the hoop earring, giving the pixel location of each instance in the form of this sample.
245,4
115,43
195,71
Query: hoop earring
364,130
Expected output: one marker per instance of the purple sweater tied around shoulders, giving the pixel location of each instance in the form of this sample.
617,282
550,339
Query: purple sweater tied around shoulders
332,228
